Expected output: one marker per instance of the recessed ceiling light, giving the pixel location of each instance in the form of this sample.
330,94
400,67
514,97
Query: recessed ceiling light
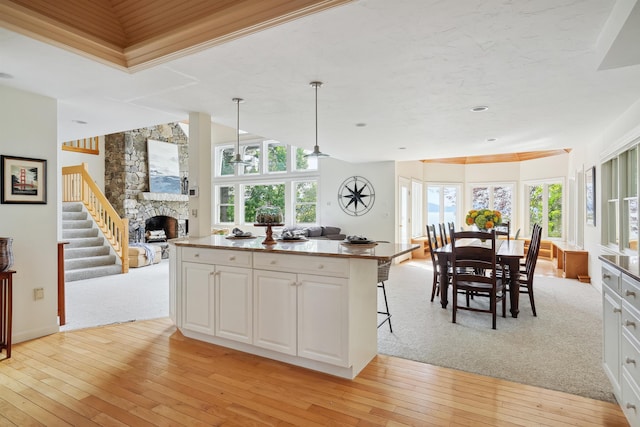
361,125
479,108
402,148
5,76
80,122
491,139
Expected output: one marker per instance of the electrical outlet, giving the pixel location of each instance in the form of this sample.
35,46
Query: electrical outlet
38,293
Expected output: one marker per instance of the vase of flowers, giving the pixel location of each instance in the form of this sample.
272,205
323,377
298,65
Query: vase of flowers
484,219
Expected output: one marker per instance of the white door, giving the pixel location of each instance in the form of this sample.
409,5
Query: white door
322,319
404,214
198,297
275,312
234,303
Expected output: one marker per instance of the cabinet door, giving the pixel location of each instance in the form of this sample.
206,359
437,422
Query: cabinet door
612,328
322,319
234,303
275,311
198,297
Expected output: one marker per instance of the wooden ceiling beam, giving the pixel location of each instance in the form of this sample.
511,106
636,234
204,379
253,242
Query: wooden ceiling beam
499,158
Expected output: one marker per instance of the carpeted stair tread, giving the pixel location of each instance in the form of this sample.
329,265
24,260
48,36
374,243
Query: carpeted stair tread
77,224
87,262
72,207
92,272
70,216
83,232
84,242
86,251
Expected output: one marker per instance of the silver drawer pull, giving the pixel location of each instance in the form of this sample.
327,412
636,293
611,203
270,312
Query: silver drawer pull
606,276
629,323
294,283
631,406
196,255
232,258
320,267
617,310
629,360
273,262
629,293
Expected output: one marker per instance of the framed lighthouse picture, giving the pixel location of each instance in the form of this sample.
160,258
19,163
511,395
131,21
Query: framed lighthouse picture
24,180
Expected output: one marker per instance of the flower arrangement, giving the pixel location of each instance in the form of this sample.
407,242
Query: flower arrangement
484,219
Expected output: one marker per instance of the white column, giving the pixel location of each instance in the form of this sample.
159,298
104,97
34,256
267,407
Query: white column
200,174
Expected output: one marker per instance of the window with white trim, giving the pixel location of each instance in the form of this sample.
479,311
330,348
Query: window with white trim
497,197
443,204
282,177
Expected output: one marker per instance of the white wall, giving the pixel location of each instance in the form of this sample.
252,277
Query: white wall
29,129
94,162
379,222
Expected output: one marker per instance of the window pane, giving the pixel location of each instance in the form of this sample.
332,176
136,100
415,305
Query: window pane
612,206
632,221
450,204
277,157
303,163
306,201
226,167
480,197
535,206
226,197
502,197
251,153
433,205
261,195
555,210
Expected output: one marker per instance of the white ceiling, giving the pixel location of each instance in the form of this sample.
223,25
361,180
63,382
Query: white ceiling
410,70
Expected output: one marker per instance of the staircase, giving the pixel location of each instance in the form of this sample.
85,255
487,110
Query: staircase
87,255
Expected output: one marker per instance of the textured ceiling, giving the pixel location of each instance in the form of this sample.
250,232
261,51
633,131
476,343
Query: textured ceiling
399,79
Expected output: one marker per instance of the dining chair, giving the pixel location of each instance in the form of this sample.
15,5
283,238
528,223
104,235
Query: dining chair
443,234
432,241
474,271
503,229
525,278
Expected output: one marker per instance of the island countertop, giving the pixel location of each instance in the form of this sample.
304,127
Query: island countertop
316,247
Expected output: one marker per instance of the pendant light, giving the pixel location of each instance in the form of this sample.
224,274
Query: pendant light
237,160
316,149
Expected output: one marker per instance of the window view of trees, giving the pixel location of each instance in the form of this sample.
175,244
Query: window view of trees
297,198
256,196
498,197
545,208
306,201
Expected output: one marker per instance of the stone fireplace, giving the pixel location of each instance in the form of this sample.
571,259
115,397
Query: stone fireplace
127,182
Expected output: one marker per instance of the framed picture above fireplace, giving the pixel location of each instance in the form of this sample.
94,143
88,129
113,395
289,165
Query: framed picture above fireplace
164,167
24,180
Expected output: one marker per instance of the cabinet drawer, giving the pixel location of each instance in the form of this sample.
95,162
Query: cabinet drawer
630,292
611,277
630,322
323,266
631,357
630,400
217,256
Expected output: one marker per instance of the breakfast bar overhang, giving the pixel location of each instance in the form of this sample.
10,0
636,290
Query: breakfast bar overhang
308,303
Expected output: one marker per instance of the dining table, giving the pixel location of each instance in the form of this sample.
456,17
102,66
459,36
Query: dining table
508,253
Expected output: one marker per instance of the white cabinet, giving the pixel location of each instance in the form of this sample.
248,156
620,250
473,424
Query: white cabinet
275,314
611,321
198,297
233,303
217,294
302,314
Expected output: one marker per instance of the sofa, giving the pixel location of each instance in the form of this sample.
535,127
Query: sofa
316,232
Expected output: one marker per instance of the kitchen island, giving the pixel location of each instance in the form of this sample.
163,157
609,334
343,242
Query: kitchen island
309,303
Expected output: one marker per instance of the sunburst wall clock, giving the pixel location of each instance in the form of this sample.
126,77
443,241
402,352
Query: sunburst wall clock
356,195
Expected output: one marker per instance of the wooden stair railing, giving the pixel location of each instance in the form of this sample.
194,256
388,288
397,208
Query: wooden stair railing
78,186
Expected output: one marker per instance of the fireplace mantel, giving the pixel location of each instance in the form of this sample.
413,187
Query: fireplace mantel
163,197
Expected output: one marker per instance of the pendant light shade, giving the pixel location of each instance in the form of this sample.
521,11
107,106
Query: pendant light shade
237,159
316,149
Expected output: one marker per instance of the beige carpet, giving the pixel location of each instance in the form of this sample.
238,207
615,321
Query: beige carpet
560,349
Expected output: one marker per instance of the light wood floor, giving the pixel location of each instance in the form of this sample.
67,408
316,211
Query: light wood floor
147,374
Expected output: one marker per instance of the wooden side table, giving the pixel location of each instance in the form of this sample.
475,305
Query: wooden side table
6,303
